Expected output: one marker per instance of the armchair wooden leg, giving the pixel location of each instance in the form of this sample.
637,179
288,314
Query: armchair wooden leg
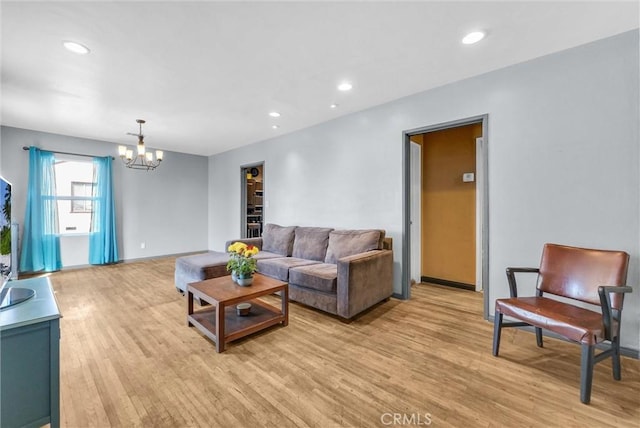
615,358
497,327
539,337
586,373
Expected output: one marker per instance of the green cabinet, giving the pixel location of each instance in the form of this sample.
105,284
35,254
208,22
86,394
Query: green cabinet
30,359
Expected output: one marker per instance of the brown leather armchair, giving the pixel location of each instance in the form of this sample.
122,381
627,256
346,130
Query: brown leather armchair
593,276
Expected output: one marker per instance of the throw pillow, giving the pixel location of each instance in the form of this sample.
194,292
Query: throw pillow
310,243
278,239
344,243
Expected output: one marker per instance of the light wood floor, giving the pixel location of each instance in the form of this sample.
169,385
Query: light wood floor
128,359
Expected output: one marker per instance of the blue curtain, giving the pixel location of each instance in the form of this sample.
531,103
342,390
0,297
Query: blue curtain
103,243
40,239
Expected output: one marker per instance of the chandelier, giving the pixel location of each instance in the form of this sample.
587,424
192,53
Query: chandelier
144,159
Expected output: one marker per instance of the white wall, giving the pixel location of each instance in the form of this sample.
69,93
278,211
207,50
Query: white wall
165,208
563,163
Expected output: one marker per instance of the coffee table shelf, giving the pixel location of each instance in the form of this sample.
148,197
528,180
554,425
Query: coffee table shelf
220,322
235,326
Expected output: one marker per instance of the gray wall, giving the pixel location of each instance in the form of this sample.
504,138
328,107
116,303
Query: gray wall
165,208
563,163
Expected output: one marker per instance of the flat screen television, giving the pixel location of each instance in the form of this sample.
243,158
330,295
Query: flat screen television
6,247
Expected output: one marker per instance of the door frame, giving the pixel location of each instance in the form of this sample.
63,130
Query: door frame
415,226
482,187
243,195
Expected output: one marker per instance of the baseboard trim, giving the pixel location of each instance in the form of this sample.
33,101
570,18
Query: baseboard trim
164,256
139,259
624,351
448,283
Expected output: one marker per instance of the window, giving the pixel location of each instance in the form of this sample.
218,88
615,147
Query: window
81,189
74,190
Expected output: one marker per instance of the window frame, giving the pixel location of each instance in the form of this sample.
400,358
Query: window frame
87,200
70,227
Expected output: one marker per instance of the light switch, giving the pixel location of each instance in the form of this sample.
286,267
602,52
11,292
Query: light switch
468,177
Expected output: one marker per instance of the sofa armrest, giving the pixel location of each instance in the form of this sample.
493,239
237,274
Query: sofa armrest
363,280
249,241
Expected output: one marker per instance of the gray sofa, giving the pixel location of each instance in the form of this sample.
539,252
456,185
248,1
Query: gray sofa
342,272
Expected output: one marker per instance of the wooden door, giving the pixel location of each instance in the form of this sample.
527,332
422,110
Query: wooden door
449,205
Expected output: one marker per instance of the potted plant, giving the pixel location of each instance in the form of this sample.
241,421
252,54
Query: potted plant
241,263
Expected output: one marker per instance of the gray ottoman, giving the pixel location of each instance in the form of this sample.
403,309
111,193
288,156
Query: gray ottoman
200,267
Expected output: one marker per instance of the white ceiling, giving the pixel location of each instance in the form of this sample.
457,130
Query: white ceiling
205,75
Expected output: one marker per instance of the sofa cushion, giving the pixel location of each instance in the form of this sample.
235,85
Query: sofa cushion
381,240
266,255
278,239
311,243
321,277
193,265
344,243
279,268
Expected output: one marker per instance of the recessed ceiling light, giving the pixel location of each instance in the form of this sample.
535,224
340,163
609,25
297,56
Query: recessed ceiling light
345,86
76,48
274,114
333,106
473,37
275,126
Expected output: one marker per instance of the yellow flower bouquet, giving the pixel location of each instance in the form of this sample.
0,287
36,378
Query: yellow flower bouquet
241,263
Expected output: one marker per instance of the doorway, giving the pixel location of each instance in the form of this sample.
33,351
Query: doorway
445,210
252,191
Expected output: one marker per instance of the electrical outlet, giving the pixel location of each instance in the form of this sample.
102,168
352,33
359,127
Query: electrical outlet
143,245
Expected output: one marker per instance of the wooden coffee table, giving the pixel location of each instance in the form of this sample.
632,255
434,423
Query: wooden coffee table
220,322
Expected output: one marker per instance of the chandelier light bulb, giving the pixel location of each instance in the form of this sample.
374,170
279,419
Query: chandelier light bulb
143,159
